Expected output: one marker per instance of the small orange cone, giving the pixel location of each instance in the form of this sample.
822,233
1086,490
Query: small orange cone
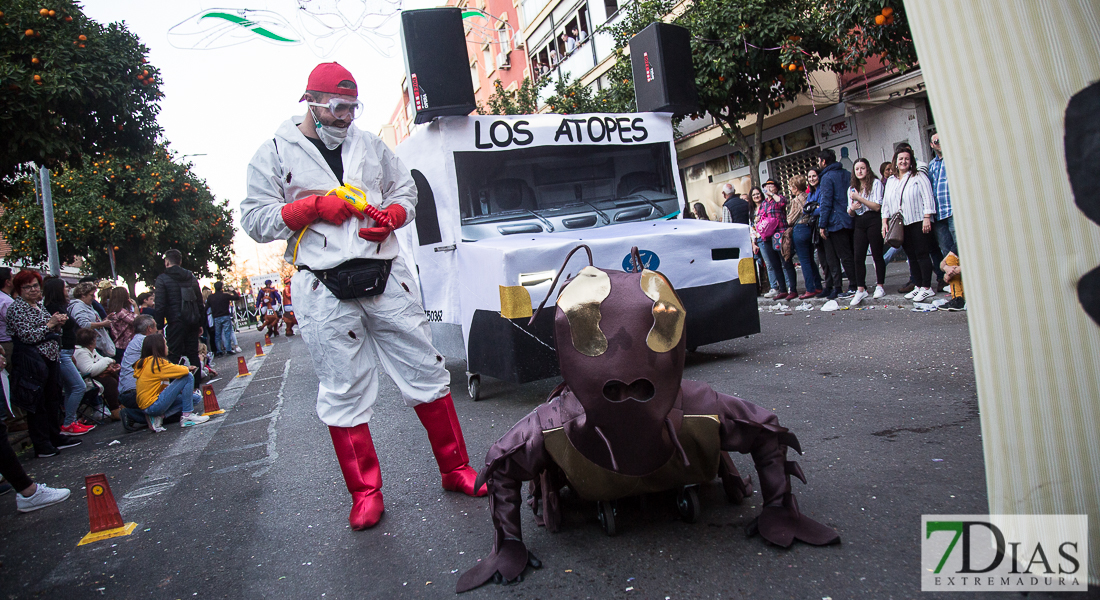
259,349
267,339
106,520
210,401
242,367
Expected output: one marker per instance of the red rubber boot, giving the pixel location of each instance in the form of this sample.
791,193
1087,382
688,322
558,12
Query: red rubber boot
359,463
448,446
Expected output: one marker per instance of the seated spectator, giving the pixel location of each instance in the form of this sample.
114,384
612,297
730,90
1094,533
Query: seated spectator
146,303
158,398
952,274
133,418
30,496
98,368
120,312
206,361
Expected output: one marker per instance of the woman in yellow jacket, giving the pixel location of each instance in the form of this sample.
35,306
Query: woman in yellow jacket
163,388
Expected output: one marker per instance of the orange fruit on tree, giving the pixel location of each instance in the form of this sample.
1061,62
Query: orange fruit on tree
38,78
28,32
880,20
68,19
145,73
792,67
82,37
45,12
890,20
53,13
82,45
35,61
886,12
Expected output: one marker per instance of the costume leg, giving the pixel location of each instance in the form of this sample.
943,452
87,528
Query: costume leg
448,446
359,464
402,340
335,332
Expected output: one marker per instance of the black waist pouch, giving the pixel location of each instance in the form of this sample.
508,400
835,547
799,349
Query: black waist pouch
357,278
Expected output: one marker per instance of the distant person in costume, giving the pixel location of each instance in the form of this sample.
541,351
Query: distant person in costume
268,303
288,309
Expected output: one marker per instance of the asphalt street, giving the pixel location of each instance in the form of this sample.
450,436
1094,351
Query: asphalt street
252,504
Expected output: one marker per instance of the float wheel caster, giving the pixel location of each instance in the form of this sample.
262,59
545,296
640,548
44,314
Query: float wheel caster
687,502
473,386
606,513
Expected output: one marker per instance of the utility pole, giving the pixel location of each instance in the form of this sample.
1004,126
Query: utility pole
47,216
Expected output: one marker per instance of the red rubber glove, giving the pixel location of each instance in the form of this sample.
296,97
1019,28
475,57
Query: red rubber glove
302,213
392,217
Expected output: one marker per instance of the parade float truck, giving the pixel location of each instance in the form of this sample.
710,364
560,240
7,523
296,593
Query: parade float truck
503,199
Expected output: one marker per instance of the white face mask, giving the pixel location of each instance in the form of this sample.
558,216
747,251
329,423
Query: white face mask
330,135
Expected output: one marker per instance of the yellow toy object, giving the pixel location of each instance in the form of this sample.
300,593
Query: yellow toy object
353,196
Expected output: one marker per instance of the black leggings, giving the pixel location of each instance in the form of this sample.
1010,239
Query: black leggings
9,464
918,244
868,232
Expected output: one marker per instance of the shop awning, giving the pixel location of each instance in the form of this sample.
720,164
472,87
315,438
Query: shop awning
908,85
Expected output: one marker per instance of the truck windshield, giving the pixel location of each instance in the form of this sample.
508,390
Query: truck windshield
556,181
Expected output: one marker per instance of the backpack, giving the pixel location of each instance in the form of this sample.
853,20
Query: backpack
190,313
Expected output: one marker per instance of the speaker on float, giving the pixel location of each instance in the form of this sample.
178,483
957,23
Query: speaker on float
664,78
437,70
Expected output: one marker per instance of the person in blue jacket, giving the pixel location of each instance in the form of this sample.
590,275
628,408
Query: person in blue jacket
835,225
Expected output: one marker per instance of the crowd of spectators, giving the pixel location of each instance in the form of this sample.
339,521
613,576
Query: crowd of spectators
831,220
82,356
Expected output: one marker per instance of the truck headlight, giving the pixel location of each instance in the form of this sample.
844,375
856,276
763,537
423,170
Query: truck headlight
533,279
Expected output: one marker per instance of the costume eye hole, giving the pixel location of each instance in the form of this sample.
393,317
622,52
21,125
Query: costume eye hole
580,301
668,312
641,390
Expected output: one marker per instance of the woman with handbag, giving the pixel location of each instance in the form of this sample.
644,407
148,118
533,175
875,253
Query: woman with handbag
800,214
756,195
772,225
865,205
908,195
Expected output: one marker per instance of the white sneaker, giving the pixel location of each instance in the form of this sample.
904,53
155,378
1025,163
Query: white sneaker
947,288
923,294
879,292
41,498
156,423
860,295
771,294
193,419
913,294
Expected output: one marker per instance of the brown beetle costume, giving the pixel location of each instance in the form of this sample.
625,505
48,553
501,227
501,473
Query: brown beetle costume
624,423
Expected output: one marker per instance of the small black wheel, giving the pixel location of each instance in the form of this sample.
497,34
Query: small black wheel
606,512
473,385
687,502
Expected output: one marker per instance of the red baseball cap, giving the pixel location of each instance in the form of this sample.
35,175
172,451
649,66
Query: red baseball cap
327,76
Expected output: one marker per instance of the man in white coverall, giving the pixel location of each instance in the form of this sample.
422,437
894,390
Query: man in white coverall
328,238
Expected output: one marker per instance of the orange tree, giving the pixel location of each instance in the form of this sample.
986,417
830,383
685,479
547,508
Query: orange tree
753,56
69,86
139,206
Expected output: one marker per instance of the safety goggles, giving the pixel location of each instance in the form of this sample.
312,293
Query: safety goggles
341,108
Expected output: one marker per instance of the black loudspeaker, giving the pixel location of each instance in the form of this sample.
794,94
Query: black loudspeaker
664,78
436,66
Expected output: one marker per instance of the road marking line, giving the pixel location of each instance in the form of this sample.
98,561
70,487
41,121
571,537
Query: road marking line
175,460
271,454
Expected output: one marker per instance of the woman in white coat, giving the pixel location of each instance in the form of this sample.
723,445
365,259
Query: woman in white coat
910,192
